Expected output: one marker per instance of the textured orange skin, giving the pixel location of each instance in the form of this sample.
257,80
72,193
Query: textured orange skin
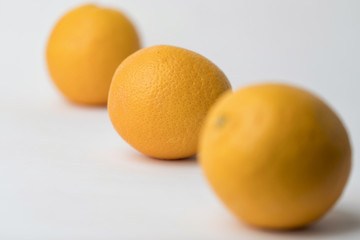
85,48
277,156
159,98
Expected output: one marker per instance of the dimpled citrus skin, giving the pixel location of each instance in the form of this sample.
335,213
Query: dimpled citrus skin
85,48
159,97
276,155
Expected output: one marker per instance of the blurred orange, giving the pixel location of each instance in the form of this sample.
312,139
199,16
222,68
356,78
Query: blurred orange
84,49
276,155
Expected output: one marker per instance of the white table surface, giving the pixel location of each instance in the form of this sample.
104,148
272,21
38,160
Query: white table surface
66,174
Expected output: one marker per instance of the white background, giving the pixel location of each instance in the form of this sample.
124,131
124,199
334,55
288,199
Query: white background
66,174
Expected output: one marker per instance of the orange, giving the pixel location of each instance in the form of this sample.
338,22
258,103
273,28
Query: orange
84,50
276,155
159,98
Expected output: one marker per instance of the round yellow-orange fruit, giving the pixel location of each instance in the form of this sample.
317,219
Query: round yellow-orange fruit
84,49
276,155
159,97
